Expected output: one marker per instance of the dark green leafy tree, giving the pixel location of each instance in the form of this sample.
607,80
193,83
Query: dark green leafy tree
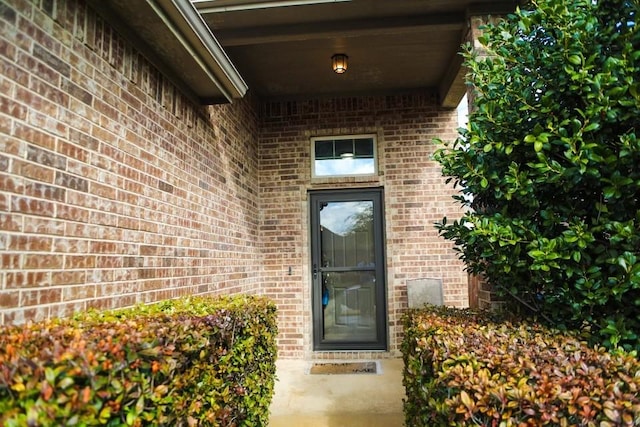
549,165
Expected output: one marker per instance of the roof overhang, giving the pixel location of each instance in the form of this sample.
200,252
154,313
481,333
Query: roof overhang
173,35
283,48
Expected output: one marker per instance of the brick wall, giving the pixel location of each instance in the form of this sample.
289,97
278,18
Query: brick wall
114,187
415,197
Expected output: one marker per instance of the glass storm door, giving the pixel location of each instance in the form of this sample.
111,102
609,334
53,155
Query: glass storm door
349,309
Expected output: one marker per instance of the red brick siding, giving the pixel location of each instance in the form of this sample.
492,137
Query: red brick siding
114,187
415,197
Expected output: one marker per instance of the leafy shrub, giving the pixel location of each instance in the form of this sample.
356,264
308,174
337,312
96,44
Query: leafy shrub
187,362
550,165
463,369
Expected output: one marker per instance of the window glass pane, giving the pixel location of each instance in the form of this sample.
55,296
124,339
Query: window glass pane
364,148
341,167
344,148
324,149
344,157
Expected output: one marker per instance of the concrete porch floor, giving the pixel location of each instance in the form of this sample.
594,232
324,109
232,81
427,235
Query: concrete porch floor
360,400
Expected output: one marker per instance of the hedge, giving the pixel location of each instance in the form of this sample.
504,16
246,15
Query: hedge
189,362
463,368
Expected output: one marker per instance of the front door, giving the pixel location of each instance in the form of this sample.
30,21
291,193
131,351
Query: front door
349,309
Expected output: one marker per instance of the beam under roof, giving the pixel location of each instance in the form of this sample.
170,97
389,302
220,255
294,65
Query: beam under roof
341,29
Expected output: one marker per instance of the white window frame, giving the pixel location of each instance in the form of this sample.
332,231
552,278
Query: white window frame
341,137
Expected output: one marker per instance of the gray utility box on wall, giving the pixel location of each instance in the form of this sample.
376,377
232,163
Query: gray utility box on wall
424,291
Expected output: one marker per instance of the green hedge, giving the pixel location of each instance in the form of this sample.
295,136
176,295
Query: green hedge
189,362
464,369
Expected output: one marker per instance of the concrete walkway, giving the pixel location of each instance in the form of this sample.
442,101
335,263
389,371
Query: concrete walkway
356,400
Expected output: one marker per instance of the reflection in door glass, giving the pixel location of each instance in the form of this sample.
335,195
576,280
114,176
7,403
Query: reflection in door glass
349,309
347,234
348,297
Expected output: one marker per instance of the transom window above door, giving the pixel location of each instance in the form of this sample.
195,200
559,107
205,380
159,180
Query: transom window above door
336,156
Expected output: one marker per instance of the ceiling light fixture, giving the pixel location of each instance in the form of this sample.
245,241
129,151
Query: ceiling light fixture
339,63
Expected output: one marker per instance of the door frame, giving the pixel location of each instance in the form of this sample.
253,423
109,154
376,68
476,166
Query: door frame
376,195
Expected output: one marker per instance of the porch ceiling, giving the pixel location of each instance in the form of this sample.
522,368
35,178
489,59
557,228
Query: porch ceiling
283,49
